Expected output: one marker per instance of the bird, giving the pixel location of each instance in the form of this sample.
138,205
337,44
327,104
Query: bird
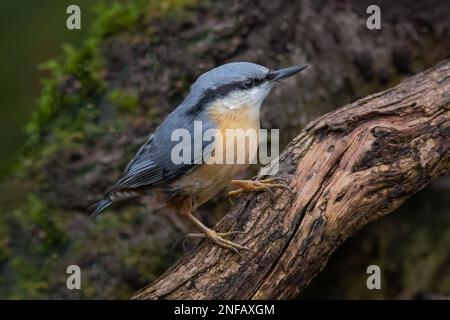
226,97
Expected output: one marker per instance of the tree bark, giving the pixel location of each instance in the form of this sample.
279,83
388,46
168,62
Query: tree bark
347,168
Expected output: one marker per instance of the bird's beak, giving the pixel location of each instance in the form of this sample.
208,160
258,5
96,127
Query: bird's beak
285,73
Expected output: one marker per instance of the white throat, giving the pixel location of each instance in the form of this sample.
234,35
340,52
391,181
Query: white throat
251,98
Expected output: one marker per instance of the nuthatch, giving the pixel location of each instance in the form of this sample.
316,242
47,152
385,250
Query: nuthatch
227,97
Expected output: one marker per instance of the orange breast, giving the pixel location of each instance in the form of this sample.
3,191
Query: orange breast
238,128
239,133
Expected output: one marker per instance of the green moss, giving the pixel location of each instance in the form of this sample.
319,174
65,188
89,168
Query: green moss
30,281
37,240
120,16
124,100
117,17
34,215
71,95
75,85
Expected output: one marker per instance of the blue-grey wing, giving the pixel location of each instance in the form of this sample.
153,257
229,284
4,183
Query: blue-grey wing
138,160
153,163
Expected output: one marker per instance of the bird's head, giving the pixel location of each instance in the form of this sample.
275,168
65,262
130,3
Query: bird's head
236,85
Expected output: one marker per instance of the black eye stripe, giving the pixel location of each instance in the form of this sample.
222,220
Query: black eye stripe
211,94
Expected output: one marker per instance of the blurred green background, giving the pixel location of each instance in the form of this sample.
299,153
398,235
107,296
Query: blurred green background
31,32
128,66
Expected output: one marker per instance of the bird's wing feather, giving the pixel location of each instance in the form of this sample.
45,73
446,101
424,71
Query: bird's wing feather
152,164
134,163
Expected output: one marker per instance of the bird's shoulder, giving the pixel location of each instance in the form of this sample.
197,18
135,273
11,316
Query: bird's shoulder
153,161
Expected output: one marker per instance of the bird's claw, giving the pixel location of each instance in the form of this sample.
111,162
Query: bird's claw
258,185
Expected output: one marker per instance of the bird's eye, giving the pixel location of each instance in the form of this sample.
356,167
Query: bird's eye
248,84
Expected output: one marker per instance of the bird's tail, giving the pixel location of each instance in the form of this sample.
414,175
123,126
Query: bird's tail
109,199
96,208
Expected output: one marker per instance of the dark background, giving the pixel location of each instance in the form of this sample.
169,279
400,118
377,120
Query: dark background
69,127
32,32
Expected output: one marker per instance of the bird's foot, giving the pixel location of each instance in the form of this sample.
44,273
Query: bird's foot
219,239
245,186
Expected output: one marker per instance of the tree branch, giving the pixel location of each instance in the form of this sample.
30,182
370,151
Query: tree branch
347,168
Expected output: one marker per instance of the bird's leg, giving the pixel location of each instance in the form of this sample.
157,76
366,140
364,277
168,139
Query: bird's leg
257,185
212,235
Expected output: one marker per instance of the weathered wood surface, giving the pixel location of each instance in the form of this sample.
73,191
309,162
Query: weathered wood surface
348,168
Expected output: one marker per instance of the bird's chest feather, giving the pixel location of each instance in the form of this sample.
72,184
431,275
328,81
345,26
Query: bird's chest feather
235,147
238,134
